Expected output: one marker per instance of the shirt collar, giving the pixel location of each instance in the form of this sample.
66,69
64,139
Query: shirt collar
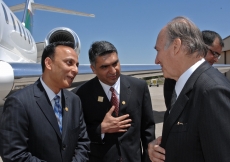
116,86
185,76
49,92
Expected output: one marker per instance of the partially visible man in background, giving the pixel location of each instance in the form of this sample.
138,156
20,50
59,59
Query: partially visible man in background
44,122
117,109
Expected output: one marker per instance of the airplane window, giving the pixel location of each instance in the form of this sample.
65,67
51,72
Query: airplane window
28,37
6,16
13,21
24,32
19,28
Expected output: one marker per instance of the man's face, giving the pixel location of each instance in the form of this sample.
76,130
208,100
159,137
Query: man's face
107,68
214,48
63,67
164,54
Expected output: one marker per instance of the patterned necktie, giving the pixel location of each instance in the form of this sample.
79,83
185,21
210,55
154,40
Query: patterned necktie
114,101
173,99
58,111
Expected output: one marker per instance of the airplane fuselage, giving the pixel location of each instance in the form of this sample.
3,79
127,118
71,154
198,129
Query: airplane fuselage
16,42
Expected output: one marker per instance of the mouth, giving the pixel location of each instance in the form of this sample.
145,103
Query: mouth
71,78
113,77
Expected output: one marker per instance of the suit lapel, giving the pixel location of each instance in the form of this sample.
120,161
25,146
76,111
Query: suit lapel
65,113
125,93
45,105
98,92
181,102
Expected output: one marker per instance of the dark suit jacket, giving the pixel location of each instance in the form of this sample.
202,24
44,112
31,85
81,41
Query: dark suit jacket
136,95
198,127
29,130
169,86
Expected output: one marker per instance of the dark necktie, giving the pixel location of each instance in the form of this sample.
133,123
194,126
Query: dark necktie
173,99
114,101
58,111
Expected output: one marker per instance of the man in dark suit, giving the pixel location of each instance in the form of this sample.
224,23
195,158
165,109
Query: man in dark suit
196,126
119,119
215,44
44,122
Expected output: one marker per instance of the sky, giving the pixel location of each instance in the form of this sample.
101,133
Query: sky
131,25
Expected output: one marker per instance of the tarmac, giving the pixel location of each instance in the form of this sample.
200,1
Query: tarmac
158,108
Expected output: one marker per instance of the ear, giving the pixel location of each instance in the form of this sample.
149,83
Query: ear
93,68
48,63
177,45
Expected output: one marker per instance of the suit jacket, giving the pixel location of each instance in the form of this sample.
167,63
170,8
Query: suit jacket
29,130
135,94
169,86
197,129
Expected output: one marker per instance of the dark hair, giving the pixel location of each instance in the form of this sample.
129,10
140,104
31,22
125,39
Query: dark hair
100,48
49,51
209,37
188,33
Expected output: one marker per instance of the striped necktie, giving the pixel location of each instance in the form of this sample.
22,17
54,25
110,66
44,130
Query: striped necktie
58,111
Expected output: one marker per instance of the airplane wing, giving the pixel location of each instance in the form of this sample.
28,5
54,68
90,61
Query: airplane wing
17,8
27,73
37,6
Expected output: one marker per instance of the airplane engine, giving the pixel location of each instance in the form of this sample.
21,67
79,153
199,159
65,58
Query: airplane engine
63,34
6,80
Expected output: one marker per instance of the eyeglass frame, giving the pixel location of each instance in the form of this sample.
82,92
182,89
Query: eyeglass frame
215,54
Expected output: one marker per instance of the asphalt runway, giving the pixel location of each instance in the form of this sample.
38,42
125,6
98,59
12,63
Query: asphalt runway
158,108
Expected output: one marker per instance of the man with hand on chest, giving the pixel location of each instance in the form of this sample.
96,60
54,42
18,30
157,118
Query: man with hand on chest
117,109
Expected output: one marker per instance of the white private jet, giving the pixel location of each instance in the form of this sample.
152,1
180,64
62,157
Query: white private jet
19,54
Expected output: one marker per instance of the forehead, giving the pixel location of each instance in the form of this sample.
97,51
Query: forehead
107,58
161,38
65,51
216,45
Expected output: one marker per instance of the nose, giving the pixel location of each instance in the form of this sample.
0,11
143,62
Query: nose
156,60
75,70
112,70
216,59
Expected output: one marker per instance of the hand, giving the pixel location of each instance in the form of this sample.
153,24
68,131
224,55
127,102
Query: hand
156,153
112,124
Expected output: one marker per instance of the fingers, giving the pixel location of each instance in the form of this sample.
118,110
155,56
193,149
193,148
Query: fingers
156,153
123,117
111,110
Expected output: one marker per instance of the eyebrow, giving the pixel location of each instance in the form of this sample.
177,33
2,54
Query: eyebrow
115,62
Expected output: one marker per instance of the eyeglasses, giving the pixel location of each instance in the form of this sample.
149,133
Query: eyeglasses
215,54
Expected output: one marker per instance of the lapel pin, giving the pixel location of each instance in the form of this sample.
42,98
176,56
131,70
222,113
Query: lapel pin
66,109
100,99
123,102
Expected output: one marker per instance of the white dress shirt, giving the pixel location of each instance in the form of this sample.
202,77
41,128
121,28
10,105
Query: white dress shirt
185,76
50,93
108,93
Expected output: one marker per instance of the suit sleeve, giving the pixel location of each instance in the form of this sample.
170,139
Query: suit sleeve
14,125
214,124
83,147
147,123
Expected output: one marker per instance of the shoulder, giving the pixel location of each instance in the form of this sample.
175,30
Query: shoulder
132,80
85,87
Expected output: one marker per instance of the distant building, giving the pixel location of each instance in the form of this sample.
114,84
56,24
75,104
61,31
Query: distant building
225,55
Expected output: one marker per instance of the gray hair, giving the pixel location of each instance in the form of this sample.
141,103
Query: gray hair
188,33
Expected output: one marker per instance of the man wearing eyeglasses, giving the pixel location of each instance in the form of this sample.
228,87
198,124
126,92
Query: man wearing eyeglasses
215,45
